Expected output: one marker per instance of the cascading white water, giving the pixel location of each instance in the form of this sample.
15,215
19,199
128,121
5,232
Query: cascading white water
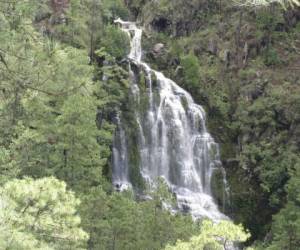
173,139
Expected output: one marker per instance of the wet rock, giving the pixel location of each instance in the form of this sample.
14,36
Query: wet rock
218,186
179,71
185,208
158,49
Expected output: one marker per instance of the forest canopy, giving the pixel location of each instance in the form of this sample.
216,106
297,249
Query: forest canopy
64,78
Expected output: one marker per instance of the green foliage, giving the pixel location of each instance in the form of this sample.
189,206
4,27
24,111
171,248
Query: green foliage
59,124
117,221
191,67
286,229
266,155
213,236
116,42
39,214
16,11
114,9
267,20
271,57
87,26
49,106
8,169
113,221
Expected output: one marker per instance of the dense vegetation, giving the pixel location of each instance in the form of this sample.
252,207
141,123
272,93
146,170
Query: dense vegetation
63,79
56,120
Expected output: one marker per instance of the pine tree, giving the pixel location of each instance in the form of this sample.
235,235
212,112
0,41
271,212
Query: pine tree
39,214
213,236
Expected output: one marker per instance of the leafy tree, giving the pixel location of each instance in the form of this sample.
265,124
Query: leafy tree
87,25
116,221
213,236
114,9
17,240
113,221
115,42
191,71
286,226
40,214
21,64
59,124
84,27
8,169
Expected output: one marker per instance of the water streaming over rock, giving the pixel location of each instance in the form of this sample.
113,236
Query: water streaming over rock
173,141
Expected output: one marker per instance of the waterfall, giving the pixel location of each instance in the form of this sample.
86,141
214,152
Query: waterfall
173,141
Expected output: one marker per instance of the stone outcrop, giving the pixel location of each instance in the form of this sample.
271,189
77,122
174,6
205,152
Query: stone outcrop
158,48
